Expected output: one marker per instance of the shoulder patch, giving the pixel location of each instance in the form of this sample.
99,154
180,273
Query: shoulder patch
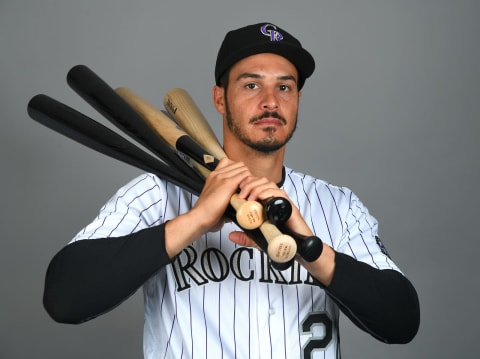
382,247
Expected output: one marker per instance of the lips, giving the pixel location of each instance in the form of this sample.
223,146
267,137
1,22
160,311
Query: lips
268,118
268,122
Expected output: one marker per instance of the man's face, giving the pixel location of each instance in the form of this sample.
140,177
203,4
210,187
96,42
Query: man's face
261,103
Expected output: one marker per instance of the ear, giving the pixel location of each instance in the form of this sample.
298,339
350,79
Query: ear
218,95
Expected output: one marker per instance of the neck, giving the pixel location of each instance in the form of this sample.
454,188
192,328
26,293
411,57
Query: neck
260,164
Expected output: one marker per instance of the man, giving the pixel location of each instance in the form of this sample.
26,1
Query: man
208,292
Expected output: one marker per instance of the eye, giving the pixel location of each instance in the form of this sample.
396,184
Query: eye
284,88
251,86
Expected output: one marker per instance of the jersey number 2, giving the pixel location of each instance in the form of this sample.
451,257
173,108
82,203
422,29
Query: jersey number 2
316,342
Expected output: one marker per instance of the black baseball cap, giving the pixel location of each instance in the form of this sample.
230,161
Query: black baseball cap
262,38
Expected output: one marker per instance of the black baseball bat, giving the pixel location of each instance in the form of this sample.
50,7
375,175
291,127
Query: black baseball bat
86,131
103,98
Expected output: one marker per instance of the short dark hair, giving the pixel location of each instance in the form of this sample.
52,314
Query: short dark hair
224,79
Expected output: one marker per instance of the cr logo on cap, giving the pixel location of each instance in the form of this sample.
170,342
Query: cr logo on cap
271,31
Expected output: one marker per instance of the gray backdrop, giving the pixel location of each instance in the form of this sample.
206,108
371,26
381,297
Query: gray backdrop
392,112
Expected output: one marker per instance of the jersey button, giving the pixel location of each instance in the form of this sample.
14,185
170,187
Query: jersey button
271,311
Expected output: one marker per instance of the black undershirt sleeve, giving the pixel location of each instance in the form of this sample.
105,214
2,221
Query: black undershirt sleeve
90,277
383,303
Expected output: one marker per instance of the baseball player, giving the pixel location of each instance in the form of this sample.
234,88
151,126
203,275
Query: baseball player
209,291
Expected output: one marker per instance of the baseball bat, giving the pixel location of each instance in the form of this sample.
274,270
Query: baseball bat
249,213
180,105
281,247
86,131
102,97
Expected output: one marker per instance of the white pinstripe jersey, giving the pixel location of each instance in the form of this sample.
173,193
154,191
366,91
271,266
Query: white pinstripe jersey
220,300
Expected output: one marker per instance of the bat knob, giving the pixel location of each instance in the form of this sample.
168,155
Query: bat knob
277,209
282,248
249,214
310,248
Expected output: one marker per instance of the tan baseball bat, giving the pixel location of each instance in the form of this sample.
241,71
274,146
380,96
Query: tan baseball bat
249,214
183,109
186,113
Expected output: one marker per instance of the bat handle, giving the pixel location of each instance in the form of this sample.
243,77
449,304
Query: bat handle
281,247
308,247
250,215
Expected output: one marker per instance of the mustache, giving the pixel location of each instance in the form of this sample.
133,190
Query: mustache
268,114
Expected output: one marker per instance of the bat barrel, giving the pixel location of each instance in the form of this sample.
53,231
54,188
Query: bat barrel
86,131
103,98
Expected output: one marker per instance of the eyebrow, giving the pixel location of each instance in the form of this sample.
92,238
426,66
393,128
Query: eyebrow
247,75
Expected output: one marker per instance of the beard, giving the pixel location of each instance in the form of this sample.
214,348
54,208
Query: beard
268,144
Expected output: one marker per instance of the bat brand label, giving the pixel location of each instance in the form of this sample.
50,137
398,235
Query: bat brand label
171,106
185,158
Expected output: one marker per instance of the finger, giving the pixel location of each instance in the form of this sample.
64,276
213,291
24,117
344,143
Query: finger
242,239
249,184
229,170
260,189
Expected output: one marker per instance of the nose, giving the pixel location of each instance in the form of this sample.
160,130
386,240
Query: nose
269,100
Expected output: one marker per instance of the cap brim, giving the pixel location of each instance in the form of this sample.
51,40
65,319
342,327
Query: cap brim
300,58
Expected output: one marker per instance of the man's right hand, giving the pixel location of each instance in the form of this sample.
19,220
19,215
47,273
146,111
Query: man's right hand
207,214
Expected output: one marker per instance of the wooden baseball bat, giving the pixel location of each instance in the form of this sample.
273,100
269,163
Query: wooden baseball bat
249,213
180,105
281,248
184,110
